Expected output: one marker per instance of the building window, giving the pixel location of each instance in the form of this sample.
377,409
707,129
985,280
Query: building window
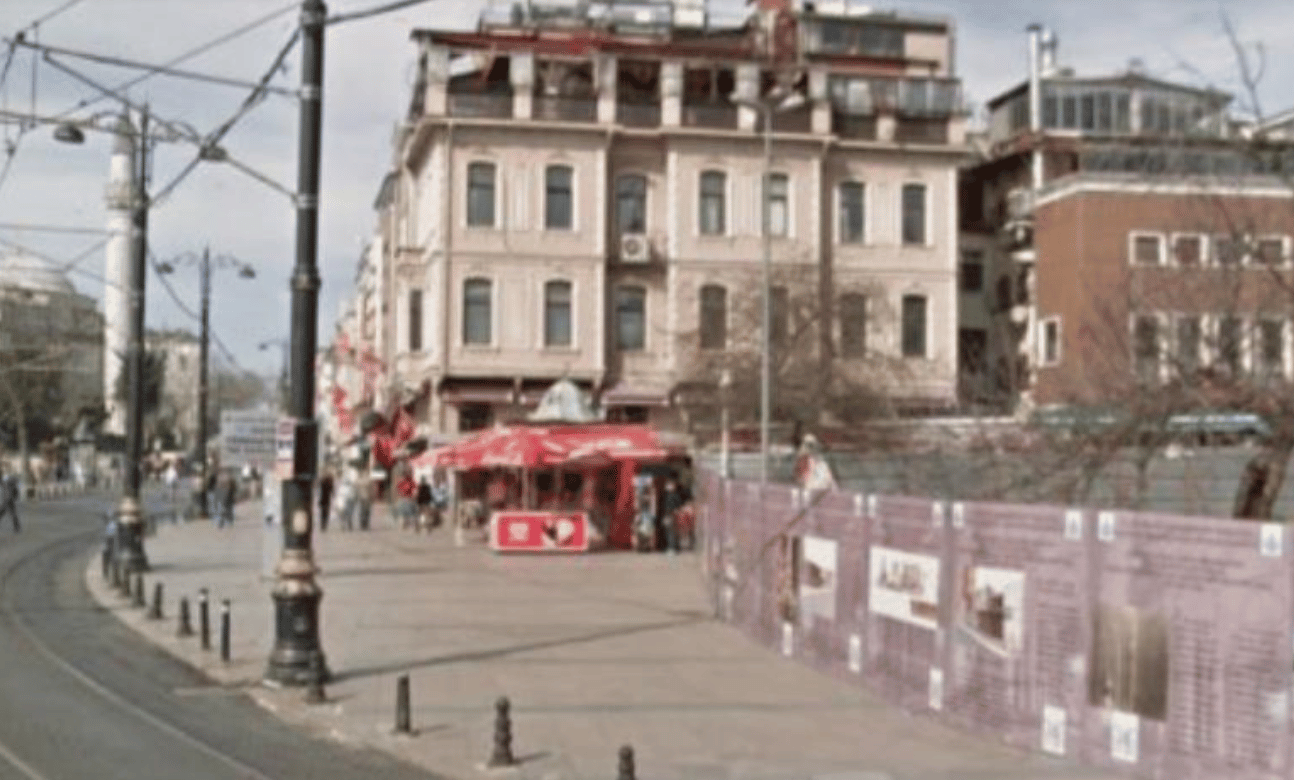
914,326
853,325
914,214
1228,251
1271,348
1147,249
1050,342
852,212
1231,344
415,320
474,417
631,203
1270,251
1145,340
1190,337
477,315
778,202
480,194
631,318
971,278
557,314
1188,251
714,317
558,200
779,311
714,185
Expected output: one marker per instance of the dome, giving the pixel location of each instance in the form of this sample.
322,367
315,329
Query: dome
29,272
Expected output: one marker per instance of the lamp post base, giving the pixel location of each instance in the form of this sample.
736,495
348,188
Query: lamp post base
297,658
130,537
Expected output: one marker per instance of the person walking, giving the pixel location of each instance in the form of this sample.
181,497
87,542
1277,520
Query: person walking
325,499
364,497
671,501
227,489
424,499
9,499
406,493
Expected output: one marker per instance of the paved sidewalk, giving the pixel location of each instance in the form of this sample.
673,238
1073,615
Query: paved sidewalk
594,652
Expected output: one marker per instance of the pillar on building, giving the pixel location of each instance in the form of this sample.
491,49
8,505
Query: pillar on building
605,66
748,92
819,102
671,93
436,96
522,73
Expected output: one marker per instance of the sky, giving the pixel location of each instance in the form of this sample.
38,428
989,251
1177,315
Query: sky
368,74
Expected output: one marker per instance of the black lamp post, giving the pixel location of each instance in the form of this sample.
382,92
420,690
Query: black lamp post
204,348
297,658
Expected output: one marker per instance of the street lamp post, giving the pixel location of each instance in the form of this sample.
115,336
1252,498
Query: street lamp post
297,658
204,349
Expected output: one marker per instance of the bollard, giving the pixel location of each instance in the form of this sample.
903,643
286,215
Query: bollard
137,593
315,689
155,611
502,754
114,574
224,630
185,626
402,725
625,770
204,620
106,561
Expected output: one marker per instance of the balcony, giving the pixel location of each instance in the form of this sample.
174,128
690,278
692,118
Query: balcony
921,130
799,120
638,114
852,126
478,105
565,109
717,115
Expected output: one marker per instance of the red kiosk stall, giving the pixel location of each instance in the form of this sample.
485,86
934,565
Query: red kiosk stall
564,487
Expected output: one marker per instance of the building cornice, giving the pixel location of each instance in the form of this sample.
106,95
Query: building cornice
1265,187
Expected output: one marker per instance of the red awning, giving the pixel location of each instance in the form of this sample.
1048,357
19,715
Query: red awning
542,446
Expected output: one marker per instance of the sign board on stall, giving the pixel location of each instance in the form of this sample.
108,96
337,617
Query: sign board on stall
539,531
285,448
247,438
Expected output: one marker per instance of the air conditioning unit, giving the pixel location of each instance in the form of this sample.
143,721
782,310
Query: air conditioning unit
634,248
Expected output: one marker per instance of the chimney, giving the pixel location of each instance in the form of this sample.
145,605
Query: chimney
1047,50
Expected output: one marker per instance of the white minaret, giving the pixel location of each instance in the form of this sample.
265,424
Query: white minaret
116,301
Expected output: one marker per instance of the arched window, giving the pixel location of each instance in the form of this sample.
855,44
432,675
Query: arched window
559,202
713,197
714,317
477,311
480,194
557,314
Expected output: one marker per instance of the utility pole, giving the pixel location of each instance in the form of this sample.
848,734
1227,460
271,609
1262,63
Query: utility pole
204,342
297,658
130,526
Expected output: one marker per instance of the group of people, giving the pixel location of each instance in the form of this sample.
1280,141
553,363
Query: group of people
660,520
417,505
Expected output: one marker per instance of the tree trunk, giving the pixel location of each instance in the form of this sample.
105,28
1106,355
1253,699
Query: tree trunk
1261,482
20,424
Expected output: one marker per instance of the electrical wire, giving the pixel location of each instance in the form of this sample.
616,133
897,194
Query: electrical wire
42,19
375,11
35,228
184,308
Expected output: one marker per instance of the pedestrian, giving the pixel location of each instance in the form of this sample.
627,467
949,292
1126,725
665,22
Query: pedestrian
406,493
671,501
325,499
227,489
9,499
424,501
364,497
346,503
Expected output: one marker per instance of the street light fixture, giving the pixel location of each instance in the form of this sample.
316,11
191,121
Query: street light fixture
775,102
245,271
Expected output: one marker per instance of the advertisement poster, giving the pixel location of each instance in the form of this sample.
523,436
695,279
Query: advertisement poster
904,586
539,532
818,579
992,608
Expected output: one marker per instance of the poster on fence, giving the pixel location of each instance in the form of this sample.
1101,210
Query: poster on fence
818,579
904,586
992,608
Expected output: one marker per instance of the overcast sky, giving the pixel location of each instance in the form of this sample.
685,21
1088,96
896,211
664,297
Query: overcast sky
368,73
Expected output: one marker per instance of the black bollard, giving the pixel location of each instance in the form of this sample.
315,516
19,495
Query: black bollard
137,592
315,689
502,753
224,630
402,724
204,620
185,627
155,612
114,574
105,559
625,769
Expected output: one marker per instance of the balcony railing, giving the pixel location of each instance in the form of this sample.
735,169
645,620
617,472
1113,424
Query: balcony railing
799,120
565,109
920,130
720,116
861,128
638,114
477,105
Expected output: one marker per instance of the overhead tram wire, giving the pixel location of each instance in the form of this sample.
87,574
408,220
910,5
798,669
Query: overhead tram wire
190,313
50,15
188,55
375,11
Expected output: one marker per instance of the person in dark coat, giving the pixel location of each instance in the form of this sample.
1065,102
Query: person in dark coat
325,499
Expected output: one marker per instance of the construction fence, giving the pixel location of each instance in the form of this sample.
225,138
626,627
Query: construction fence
1158,645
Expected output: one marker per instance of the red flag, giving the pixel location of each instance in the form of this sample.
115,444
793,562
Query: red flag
402,426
